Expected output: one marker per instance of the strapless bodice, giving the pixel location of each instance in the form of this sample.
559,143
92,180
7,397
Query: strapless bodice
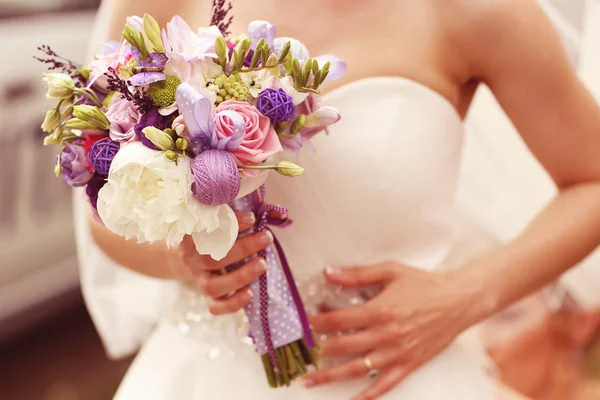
379,187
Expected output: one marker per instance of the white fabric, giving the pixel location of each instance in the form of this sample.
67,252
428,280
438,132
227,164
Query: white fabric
367,196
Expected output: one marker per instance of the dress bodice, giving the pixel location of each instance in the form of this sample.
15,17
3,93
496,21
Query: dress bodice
380,187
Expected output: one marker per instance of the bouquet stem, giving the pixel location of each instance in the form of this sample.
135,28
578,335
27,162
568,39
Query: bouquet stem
293,359
278,322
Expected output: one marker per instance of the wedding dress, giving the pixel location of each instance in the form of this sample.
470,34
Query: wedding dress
380,187
368,195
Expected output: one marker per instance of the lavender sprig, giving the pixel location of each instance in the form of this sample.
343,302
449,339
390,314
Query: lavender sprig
56,62
220,10
139,98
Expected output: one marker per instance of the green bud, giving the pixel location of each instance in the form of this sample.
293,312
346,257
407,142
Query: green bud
317,79
60,86
76,123
53,138
51,120
287,168
57,167
93,115
159,138
284,51
307,71
136,39
85,73
172,133
171,155
297,69
181,144
221,50
152,31
257,53
325,71
298,124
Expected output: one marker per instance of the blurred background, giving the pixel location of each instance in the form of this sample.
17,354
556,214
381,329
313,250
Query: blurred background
546,346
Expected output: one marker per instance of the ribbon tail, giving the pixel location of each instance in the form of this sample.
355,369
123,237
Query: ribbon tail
308,337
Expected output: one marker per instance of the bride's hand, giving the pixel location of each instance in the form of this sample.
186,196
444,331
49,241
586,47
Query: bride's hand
228,292
415,316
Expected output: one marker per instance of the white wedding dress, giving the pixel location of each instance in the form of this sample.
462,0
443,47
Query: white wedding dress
380,187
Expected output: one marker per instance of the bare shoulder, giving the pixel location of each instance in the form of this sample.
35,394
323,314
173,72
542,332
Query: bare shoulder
490,32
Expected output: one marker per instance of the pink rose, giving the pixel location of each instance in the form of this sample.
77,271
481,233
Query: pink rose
123,116
261,140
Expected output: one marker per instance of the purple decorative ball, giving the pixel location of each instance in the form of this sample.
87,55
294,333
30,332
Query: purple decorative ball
101,155
275,104
216,177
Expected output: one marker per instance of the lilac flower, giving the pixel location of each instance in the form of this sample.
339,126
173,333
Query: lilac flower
74,165
151,118
196,111
261,30
154,61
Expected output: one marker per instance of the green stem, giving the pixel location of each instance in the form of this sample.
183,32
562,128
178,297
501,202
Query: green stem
88,93
257,167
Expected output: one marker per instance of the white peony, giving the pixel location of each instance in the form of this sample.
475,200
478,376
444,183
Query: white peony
149,198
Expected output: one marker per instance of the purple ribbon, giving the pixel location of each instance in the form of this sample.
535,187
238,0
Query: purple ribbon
264,217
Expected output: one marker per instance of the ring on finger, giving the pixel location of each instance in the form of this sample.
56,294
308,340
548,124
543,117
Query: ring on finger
371,370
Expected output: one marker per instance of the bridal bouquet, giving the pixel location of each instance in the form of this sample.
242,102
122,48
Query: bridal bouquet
171,130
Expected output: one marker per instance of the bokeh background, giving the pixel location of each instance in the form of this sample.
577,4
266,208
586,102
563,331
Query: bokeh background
49,349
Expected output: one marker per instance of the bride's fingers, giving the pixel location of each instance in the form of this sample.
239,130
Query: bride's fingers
230,304
347,319
245,219
360,342
343,372
386,382
379,359
220,285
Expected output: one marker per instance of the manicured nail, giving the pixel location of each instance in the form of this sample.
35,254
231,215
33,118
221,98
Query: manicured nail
266,237
260,267
248,295
329,270
248,218
307,382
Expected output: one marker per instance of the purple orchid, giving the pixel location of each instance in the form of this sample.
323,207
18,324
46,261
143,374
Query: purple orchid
196,112
150,68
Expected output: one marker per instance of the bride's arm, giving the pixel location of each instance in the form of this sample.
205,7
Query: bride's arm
520,57
512,47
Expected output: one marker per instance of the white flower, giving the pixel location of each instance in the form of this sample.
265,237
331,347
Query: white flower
196,73
179,38
149,198
254,81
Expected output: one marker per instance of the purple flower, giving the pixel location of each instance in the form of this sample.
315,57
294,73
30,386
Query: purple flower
93,188
151,118
74,165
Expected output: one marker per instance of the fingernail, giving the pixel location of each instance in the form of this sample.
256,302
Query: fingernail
260,267
266,237
248,295
248,218
329,270
308,382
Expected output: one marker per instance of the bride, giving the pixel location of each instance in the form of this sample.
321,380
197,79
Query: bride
413,70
